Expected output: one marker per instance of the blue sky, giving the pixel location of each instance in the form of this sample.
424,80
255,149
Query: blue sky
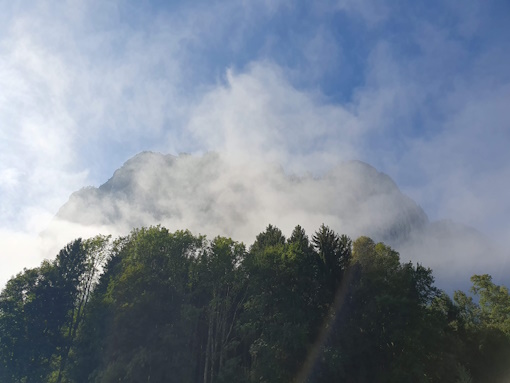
420,90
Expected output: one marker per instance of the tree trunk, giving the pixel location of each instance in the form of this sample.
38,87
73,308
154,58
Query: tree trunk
208,346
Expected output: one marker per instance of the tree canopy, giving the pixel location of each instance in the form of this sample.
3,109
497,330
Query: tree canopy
156,306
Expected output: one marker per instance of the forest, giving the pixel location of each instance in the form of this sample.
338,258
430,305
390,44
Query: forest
157,306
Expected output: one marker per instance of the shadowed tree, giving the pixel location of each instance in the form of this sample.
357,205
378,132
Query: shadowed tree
37,306
94,255
485,330
335,252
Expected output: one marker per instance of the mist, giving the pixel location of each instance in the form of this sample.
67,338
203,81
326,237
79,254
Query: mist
212,195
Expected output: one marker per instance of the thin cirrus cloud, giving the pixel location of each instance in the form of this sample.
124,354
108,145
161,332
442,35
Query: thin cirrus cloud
419,91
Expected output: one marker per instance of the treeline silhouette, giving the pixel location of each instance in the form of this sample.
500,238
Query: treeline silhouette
156,306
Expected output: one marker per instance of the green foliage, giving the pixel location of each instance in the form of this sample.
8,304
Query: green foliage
382,331
280,314
156,306
36,308
334,250
494,302
271,237
484,330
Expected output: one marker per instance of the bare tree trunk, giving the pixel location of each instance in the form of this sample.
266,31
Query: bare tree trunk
74,322
208,347
214,356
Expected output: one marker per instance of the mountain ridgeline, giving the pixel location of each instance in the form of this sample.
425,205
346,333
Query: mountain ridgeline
161,306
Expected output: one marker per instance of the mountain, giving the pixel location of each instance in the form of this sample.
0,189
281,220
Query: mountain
210,195
202,192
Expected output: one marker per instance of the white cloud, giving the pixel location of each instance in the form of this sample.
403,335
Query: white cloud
37,130
19,250
258,114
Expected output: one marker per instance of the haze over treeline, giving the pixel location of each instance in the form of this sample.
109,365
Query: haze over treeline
157,306
214,195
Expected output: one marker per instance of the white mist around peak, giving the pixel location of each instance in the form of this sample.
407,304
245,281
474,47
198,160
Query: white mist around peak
213,195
